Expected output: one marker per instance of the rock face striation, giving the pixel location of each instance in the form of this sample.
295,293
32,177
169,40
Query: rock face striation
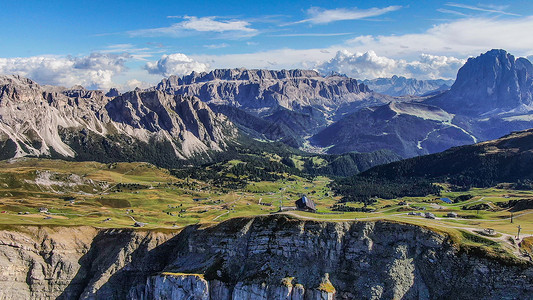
51,121
261,258
401,86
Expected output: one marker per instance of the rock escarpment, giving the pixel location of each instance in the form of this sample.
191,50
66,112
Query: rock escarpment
265,89
260,258
51,121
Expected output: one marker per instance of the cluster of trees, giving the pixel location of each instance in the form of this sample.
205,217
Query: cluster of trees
346,208
462,198
251,168
525,184
366,189
348,164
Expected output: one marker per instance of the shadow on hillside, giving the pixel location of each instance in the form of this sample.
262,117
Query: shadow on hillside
109,271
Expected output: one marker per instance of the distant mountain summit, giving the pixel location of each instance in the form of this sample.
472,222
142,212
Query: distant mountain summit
492,83
401,86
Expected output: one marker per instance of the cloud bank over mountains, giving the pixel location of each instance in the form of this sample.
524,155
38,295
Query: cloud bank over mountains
369,65
94,71
175,64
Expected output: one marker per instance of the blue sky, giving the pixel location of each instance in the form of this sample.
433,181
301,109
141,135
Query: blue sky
101,44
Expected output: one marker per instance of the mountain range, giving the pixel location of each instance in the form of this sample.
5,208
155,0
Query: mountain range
293,104
491,97
201,114
56,122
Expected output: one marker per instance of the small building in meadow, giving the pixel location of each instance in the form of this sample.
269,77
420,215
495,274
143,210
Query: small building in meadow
452,215
305,204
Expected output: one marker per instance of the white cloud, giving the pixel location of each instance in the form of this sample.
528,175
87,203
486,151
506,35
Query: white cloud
453,12
175,64
272,59
369,65
470,36
319,15
132,84
216,46
95,71
311,34
486,8
210,24
460,38
136,53
190,24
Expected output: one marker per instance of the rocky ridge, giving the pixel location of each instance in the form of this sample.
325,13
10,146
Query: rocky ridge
314,100
52,121
260,258
265,89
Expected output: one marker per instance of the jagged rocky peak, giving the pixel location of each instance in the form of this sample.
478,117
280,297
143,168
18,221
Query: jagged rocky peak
17,88
113,92
240,74
493,82
79,91
150,126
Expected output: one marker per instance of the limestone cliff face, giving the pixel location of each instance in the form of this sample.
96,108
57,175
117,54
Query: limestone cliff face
52,121
261,258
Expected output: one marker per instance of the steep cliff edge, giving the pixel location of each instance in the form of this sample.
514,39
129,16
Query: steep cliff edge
260,258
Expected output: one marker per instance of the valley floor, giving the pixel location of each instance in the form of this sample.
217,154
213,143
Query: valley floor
126,195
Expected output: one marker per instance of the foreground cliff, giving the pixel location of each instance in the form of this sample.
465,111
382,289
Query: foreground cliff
261,258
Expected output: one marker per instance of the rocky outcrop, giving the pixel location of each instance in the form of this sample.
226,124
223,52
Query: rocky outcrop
58,122
401,86
261,258
177,286
194,286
